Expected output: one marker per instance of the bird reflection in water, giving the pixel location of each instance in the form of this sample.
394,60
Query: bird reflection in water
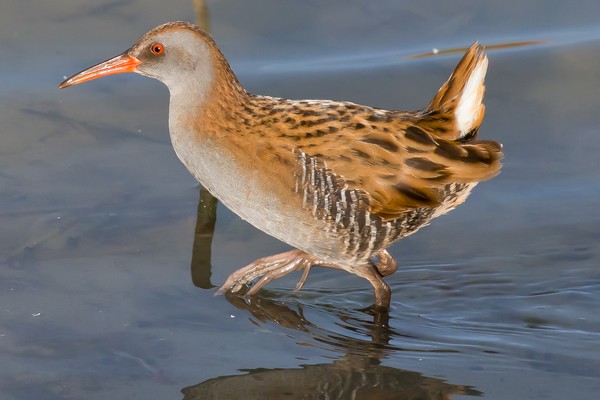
357,374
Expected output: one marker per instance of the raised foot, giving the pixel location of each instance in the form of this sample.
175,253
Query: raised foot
267,269
271,268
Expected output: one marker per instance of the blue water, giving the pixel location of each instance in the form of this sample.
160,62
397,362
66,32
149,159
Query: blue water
497,300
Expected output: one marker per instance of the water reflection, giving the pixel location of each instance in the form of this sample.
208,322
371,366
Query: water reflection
348,378
203,234
357,374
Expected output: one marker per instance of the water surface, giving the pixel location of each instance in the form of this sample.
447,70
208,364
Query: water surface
497,300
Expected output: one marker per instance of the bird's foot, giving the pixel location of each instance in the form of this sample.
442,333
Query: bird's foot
271,268
267,269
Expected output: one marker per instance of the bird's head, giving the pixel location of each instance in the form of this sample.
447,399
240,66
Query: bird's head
178,54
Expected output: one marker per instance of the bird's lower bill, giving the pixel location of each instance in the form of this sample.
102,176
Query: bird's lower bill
116,65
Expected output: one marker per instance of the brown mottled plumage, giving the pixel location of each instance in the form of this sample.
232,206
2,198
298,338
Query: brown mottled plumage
337,180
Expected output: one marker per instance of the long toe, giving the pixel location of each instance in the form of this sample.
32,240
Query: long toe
268,269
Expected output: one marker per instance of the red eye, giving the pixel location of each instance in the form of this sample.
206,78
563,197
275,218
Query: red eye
157,48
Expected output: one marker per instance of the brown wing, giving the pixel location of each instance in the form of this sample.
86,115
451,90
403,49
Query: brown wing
406,169
406,160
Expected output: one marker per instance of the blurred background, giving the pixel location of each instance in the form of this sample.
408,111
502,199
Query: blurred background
106,270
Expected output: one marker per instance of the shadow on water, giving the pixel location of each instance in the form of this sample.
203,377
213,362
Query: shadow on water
358,373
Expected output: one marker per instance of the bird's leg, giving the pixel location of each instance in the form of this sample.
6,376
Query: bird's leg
382,291
267,269
386,265
271,268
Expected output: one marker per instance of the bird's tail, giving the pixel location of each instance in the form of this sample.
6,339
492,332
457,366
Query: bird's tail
460,99
453,118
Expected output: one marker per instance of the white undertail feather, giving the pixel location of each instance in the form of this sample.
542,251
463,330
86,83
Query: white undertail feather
461,95
470,106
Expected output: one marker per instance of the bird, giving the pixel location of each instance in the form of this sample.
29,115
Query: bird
338,181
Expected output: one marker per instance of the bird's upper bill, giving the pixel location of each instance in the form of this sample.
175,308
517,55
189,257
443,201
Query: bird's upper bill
117,65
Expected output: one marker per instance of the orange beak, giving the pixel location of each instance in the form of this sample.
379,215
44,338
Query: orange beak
116,65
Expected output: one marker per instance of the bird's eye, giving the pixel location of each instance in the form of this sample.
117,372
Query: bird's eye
157,49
